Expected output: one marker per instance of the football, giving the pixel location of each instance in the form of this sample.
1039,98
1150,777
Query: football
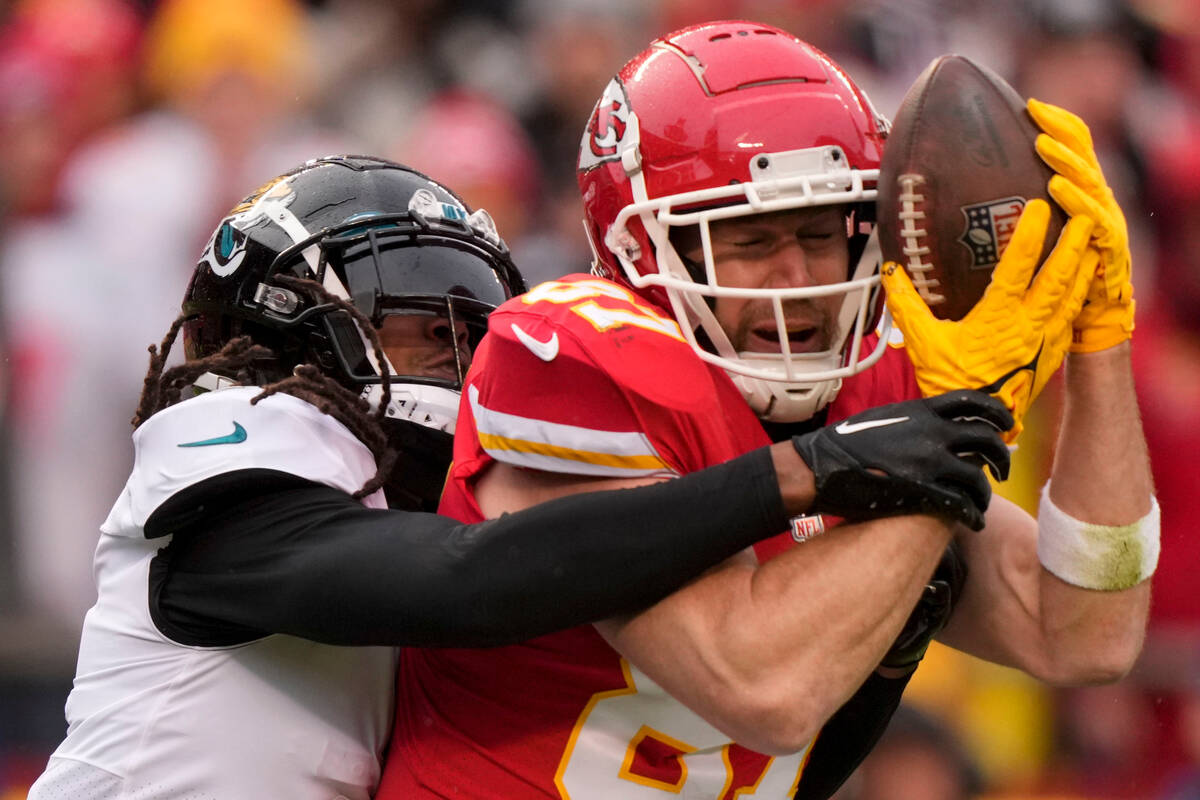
958,167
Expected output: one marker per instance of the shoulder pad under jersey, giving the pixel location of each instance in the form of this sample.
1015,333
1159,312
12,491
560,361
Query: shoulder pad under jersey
581,375
219,432
582,331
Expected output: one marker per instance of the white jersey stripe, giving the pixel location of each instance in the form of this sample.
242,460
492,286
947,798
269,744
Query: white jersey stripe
555,447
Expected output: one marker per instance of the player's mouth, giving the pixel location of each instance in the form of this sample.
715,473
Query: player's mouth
802,337
442,366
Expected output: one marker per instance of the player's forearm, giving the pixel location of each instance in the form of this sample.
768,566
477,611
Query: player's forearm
1101,475
1101,469
1091,636
768,655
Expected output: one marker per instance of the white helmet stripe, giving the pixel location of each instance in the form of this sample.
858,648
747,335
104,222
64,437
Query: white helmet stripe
282,216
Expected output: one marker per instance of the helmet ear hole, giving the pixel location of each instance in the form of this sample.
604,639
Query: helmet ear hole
685,239
860,221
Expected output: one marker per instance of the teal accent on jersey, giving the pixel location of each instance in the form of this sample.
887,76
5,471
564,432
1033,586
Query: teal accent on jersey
237,437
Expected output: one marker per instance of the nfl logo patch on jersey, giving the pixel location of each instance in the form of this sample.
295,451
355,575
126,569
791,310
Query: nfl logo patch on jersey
806,527
989,227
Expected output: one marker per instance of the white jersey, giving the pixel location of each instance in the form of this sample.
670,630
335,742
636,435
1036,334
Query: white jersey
278,717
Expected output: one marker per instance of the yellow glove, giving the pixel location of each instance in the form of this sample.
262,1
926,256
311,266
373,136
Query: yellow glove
1079,187
1016,336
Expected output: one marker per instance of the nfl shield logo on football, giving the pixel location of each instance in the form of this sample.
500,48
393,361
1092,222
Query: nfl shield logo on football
806,527
989,227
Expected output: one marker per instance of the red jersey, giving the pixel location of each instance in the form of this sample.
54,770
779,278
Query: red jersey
579,376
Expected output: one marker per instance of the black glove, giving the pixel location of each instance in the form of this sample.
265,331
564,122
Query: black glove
931,613
916,457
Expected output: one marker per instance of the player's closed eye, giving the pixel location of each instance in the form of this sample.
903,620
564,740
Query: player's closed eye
819,241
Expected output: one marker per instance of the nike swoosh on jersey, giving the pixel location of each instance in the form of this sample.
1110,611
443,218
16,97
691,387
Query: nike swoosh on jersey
855,427
546,351
237,437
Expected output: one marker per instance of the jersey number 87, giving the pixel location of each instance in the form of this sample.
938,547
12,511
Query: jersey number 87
667,748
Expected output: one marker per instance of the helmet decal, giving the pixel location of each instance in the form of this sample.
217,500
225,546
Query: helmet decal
274,187
225,250
427,204
605,133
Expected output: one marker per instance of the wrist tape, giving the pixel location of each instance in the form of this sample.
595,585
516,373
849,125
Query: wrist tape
1104,557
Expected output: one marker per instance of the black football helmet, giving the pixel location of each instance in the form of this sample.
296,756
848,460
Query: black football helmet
385,237
380,235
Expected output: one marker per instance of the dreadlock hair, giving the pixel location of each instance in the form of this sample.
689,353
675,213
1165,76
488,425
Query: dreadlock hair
162,388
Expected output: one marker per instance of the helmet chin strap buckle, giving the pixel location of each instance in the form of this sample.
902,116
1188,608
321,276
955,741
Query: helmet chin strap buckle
276,298
631,161
481,222
774,401
434,407
631,149
623,244
211,382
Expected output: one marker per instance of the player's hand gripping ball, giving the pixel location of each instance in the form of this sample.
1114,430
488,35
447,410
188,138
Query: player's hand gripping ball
1079,187
1017,335
958,169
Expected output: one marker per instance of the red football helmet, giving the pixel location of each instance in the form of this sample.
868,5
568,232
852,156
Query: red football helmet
721,120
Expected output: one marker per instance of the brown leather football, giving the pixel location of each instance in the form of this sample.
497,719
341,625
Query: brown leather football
958,167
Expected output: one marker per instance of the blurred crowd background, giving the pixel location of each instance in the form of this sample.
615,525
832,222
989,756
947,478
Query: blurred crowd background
129,128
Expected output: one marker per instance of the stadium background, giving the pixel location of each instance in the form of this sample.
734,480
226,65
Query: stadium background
128,128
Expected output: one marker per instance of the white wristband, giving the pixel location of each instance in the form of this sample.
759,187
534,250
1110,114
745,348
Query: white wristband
1104,557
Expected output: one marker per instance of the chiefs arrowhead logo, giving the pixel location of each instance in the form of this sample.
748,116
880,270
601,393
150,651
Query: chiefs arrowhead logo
604,137
608,127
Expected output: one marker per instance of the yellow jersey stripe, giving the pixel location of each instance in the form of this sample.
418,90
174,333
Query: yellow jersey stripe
491,442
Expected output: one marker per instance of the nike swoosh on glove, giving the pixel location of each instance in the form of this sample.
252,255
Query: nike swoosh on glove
916,457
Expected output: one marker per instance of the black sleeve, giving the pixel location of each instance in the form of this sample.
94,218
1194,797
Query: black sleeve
849,735
259,552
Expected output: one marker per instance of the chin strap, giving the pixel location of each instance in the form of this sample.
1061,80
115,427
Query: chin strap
434,407
776,401
423,458
211,382
420,430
